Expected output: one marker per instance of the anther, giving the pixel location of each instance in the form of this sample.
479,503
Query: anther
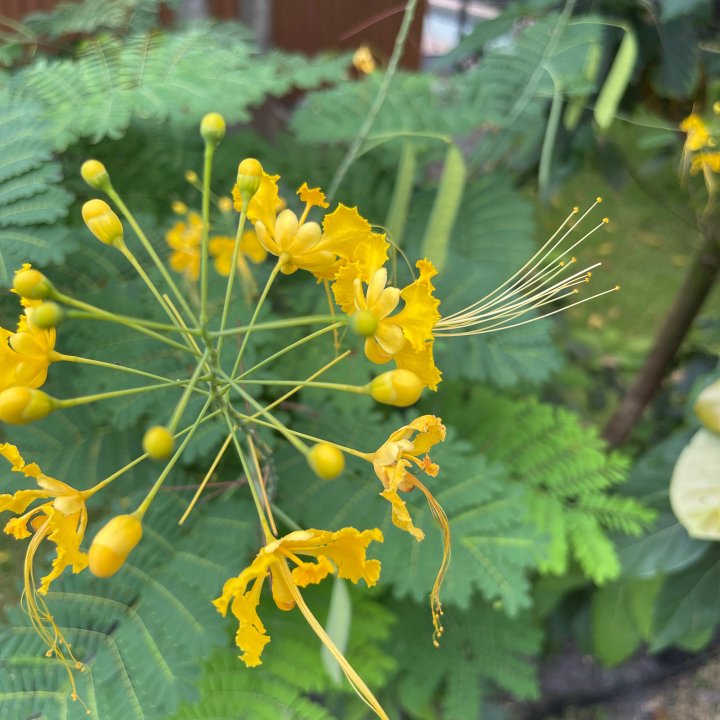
605,220
575,210
598,199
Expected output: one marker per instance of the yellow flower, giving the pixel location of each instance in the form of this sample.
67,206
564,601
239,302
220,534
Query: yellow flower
706,161
344,551
363,60
221,248
406,336
62,520
184,239
26,354
391,463
698,135
306,245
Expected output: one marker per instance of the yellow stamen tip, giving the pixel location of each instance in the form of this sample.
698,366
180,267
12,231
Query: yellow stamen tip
606,220
576,210
598,199
617,287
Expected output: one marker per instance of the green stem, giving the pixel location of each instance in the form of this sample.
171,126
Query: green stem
151,286
370,118
246,469
287,349
133,321
182,404
281,324
207,172
101,314
142,457
231,277
111,366
280,427
113,195
85,399
258,307
357,389
145,504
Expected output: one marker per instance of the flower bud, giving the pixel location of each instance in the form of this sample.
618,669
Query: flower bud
250,173
111,546
364,323
707,407
326,460
47,315
102,222
95,175
396,387
225,204
21,405
212,128
191,176
158,442
179,208
31,283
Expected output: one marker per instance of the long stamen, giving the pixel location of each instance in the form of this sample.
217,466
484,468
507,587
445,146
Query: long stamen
543,279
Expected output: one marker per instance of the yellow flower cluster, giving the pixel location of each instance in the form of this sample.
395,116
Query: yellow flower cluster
700,151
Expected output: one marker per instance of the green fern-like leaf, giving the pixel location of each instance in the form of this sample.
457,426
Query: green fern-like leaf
126,629
568,474
480,649
92,16
161,76
31,201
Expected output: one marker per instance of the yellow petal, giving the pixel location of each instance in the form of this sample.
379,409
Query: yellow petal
400,515
314,197
263,204
250,246
421,362
311,573
420,313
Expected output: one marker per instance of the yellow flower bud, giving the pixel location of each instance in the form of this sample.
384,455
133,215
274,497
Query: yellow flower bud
250,173
21,405
396,387
179,208
326,460
47,315
95,174
102,222
31,283
191,176
111,546
225,204
364,323
212,128
707,407
158,442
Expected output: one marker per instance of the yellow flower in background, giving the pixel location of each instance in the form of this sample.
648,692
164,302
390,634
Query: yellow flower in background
406,336
392,462
221,249
698,134
706,161
343,551
184,239
363,60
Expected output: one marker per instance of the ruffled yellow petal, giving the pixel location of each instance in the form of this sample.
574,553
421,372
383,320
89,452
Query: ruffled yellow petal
344,287
314,197
420,313
400,515
311,573
430,431
12,454
421,362
20,501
